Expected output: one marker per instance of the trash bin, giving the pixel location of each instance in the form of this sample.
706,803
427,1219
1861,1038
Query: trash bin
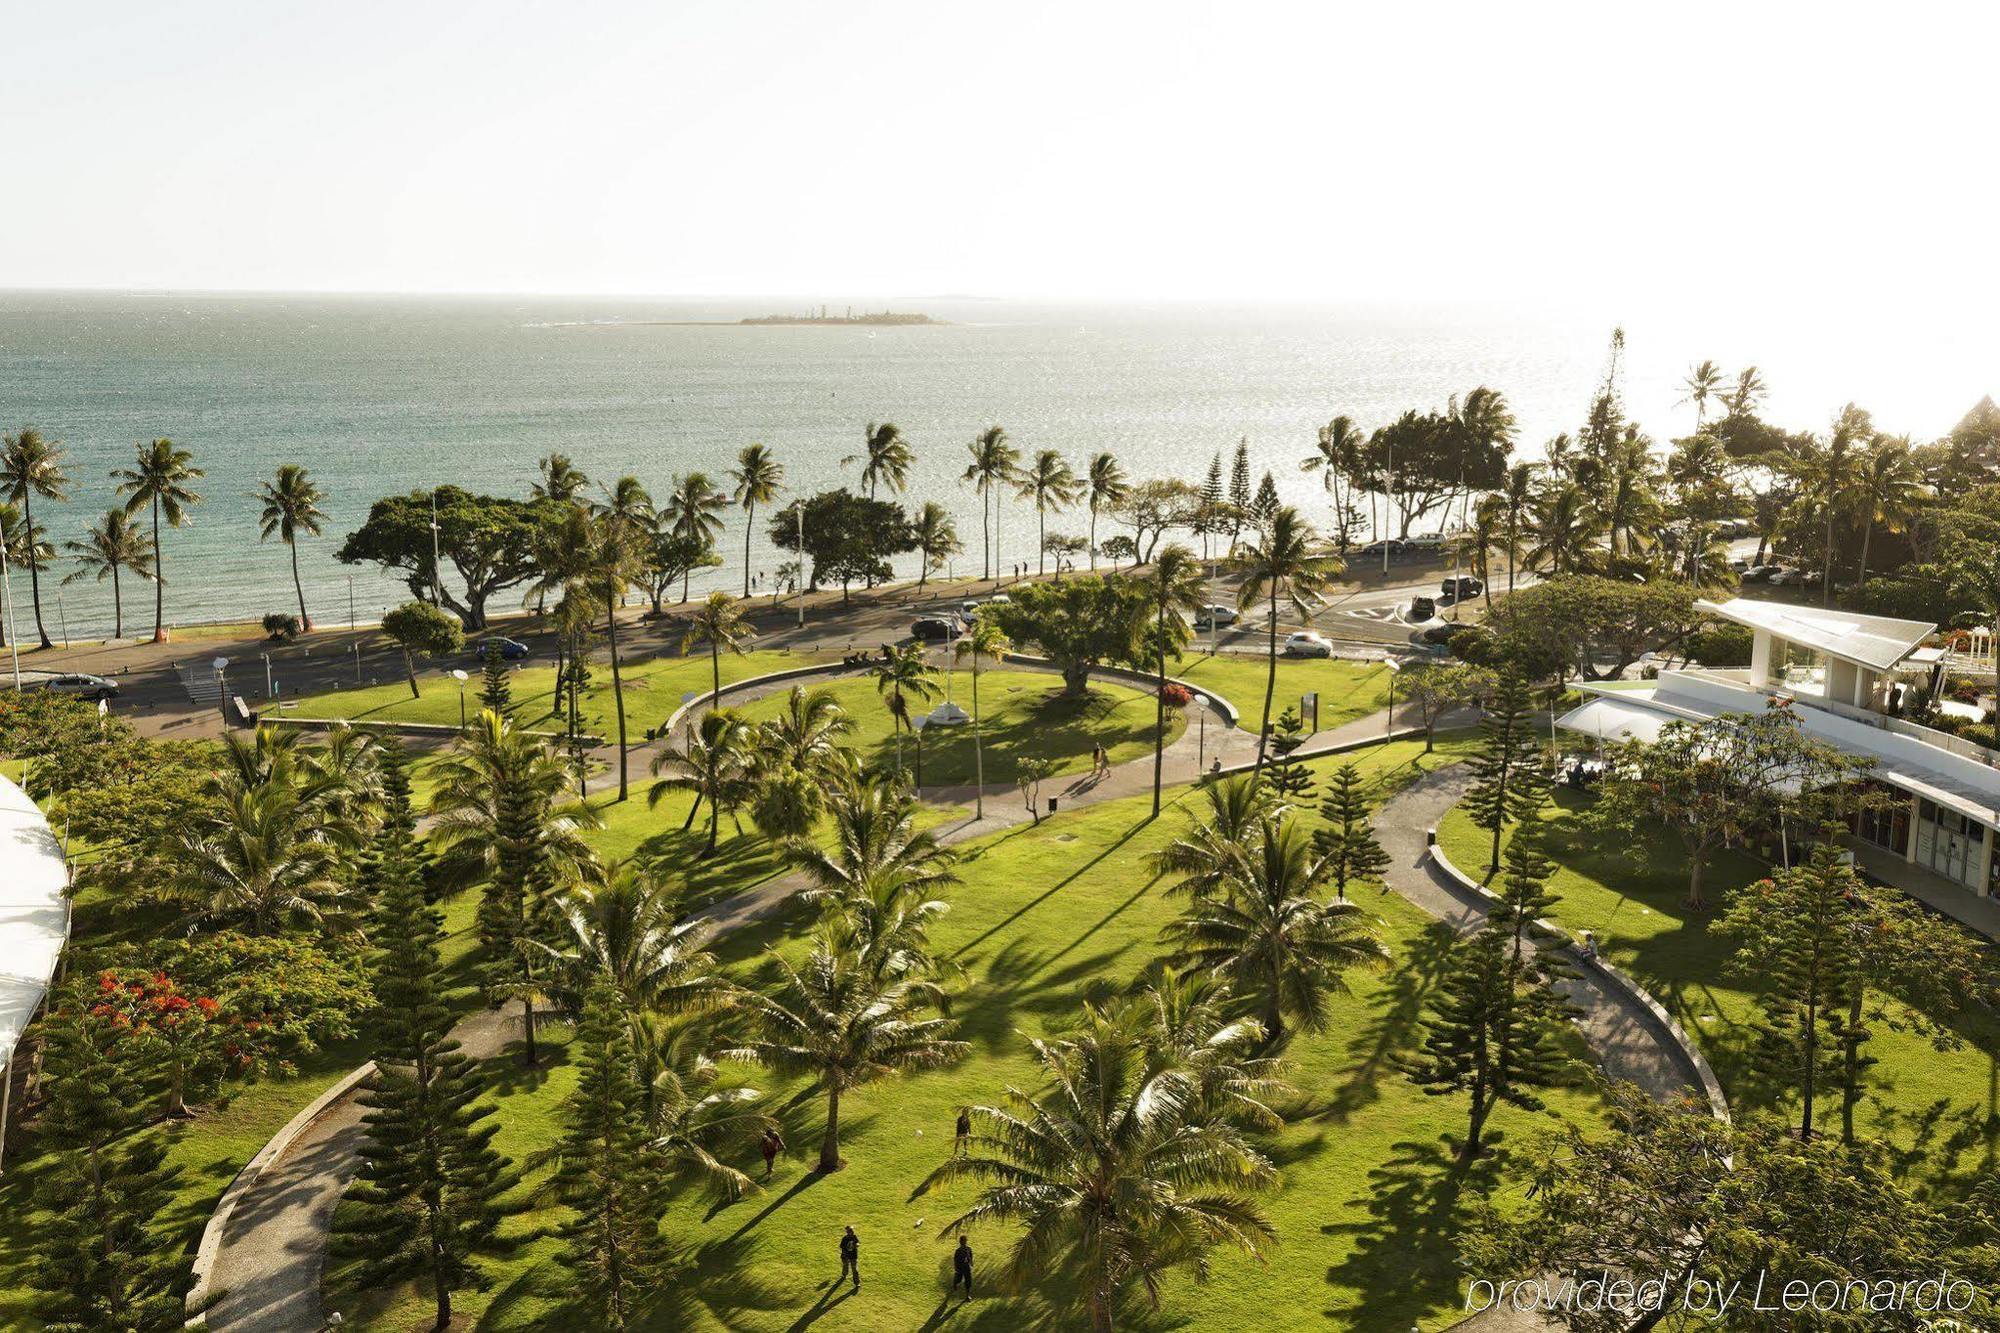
1431,836
1052,804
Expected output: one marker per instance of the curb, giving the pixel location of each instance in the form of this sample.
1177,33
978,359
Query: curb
1718,1103
199,1295
398,728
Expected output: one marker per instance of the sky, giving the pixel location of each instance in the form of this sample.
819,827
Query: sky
1831,156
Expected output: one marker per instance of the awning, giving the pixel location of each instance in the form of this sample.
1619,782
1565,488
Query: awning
1614,720
34,914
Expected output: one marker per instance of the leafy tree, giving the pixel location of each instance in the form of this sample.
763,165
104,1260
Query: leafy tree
1436,689
1153,508
1118,1171
419,627
31,465
1078,624
1347,847
492,542
757,475
1239,490
110,548
1494,1032
836,1021
1064,547
1578,620
97,1264
1429,458
183,1033
1118,548
1511,783
495,689
291,507
995,463
714,763
936,538
427,1204
1284,565
1050,484
846,536
669,558
159,479
1030,771
692,513
1971,556
1337,457
279,998
1105,485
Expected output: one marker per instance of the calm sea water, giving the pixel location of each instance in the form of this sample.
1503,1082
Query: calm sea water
380,395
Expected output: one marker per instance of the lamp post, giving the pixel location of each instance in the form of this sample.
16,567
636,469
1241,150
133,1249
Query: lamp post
461,678
267,674
917,724
221,665
1389,726
1199,706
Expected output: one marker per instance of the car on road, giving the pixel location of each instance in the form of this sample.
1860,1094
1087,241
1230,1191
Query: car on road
1208,617
1307,644
1459,588
1421,609
1760,573
511,650
82,686
935,629
1788,578
1373,550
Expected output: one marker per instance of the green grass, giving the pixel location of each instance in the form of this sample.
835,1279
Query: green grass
1631,892
1022,714
653,690
1050,916
1347,690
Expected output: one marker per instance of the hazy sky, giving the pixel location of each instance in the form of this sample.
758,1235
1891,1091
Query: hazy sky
1387,151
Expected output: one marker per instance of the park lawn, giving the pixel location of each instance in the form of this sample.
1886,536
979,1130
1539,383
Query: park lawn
653,690
1023,714
1631,891
1048,917
1347,690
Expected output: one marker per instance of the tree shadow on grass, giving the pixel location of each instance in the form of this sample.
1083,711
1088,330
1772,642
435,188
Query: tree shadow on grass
1000,927
507,1076
1392,1027
1404,1260
1017,980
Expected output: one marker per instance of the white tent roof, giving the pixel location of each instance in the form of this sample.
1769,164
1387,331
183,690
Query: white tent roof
1876,642
34,914
1610,719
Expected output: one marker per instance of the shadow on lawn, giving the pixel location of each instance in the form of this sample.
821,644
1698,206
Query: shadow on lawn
1392,1025
1027,907
1404,1259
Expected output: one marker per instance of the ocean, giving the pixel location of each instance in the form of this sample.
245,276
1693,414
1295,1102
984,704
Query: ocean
379,395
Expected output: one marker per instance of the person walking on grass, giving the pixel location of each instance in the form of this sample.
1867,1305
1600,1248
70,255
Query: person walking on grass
850,1257
963,1130
961,1267
771,1145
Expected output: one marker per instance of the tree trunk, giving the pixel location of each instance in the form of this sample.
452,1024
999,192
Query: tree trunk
829,1143
1811,1079
1041,540
978,749
715,674
986,530
160,585
528,1052
1476,1125
1160,712
410,665
714,820
1867,532
117,606
1826,579
305,621
749,526
1270,681
1850,1083
617,692
1695,900
1076,679
34,562
688,823
443,1290
1093,539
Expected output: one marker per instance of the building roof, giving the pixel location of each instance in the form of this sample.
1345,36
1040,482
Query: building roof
1876,642
34,915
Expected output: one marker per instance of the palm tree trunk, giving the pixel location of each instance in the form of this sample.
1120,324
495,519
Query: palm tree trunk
117,606
715,674
829,1143
1160,710
1867,532
1270,682
617,691
1041,541
34,562
978,749
160,588
528,1052
1826,579
749,526
1093,538
305,621
986,528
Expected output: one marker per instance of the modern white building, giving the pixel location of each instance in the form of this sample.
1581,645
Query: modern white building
34,924
1846,676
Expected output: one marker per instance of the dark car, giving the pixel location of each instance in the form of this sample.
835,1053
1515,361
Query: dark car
511,650
82,686
1422,609
934,629
1459,588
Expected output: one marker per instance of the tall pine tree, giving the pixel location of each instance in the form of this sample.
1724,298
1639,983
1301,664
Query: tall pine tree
428,1199
495,689
1292,779
97,1266
1524,893
1348,845
1511,783
1239,490
1212,497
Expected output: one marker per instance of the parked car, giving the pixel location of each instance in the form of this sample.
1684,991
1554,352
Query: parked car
969,608
1787,578
1739,567
1307,644
1373,550
934,629
82,686
1208,617
1459,588
1760,573
1421,609
511,650
1439,636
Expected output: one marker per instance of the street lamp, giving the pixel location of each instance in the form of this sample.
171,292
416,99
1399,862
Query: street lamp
461,678
1199,706
1389,727
221,665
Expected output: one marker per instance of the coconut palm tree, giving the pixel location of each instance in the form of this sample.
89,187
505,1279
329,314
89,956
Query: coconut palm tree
719,624
1889,486
1748,391
1211,855
1627,502
159,479
31,466
22,545
683,1104
902,673
885,458
291,507
834,1020
107,550
616,547
874,837
1827,471
693,512
1564,527
1703,384
1282,564
1105,484
627,505
1191,1019
561,480
714,764
627,930
1280,947
936,536
1177,587
1115,1170
1338,457
1048,482
757,475
984,639
1517,496
799,757
251,858
995,463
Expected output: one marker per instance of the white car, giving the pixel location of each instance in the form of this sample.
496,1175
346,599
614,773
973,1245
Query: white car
1307,644
1208,617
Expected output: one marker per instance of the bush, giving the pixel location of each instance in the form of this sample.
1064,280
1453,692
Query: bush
1176,697
281,626
1720,646
1914,593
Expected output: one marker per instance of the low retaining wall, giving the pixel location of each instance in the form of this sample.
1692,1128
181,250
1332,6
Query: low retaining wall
202,1293
437,729
1667,1025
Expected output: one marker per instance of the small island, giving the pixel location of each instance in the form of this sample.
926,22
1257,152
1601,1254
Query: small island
892,318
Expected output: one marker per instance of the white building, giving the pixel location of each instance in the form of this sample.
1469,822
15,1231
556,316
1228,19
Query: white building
1846,675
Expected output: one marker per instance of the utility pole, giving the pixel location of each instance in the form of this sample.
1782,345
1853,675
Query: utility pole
7,593
801,562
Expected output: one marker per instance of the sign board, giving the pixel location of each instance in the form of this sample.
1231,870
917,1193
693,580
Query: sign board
1309,710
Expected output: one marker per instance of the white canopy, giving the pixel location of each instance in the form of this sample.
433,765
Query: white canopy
34,914
1875,642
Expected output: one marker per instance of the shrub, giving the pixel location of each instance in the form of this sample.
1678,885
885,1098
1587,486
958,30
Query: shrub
1176,697
1720,646
281,626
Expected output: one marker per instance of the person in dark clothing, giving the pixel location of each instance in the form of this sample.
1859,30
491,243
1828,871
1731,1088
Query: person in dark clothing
850,1257
964,1130
961,1267
771,1145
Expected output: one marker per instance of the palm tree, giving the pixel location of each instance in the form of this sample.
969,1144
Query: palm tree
252,858
1337,457
1627,502
798,760
1282,564
1564,526
1749,391
159,479
718,622
1192,1019
1828,470
1890,487
560,480
836,1021
874,837
936,536
627,505
291,506
1704,382
616,547
1517,495
1176,588
1116,1170
31,465
1488,516
757,476
995,463
714,764
1211,855
625,930
1105,484
1278,945
885,457
903,673
116,544
984,639
693,513
1049,482
21,544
